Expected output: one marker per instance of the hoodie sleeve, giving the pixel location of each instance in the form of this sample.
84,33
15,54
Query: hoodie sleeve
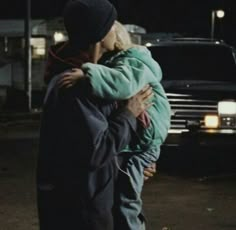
127,77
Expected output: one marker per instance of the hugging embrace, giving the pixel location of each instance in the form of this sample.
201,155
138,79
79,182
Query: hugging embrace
104,120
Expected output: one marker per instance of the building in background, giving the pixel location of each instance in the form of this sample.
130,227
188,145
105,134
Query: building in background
44,34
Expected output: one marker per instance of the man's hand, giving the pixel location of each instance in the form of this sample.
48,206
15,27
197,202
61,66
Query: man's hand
150,171
141,101
70,78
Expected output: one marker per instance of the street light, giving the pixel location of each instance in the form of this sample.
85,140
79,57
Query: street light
220,13
215,13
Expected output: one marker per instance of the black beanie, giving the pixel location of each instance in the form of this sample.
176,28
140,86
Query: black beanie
88,21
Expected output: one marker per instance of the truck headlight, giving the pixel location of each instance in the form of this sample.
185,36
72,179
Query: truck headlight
227,114
227,108
211,121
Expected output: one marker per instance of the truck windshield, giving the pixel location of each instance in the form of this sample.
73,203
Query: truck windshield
196,62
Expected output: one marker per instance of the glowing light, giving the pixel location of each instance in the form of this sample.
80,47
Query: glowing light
40,51
58,37
227,108
148,44
220,13
211,121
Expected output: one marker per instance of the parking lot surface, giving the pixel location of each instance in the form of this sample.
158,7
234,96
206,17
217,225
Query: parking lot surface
173,200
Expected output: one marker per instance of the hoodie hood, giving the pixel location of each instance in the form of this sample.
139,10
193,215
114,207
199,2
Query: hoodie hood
62,57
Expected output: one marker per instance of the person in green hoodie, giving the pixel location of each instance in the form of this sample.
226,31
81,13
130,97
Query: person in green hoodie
126,72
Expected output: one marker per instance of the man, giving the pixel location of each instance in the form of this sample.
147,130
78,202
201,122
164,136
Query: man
80,134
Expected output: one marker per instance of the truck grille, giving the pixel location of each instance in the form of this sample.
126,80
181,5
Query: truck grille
186,107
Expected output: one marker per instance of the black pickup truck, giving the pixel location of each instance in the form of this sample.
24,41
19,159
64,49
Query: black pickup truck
199,76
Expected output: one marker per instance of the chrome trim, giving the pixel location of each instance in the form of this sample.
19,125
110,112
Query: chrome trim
179,131
190,100
217,131
178,95
194,106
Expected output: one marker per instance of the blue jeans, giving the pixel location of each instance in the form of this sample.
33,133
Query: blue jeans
128,210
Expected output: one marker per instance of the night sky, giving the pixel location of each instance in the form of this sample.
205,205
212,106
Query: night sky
188,17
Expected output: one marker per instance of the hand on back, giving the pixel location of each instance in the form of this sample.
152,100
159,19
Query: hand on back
141,101
70,78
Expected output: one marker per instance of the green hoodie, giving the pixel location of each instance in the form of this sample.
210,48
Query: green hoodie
124,75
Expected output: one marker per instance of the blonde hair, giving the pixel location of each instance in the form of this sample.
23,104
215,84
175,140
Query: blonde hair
123,39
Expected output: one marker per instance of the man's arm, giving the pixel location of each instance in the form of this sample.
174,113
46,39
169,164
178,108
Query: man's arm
108,136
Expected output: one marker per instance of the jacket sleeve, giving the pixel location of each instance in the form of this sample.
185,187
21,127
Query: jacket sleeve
127,77
114,135
106,134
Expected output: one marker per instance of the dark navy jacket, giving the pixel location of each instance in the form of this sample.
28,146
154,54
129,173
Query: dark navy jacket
79,137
